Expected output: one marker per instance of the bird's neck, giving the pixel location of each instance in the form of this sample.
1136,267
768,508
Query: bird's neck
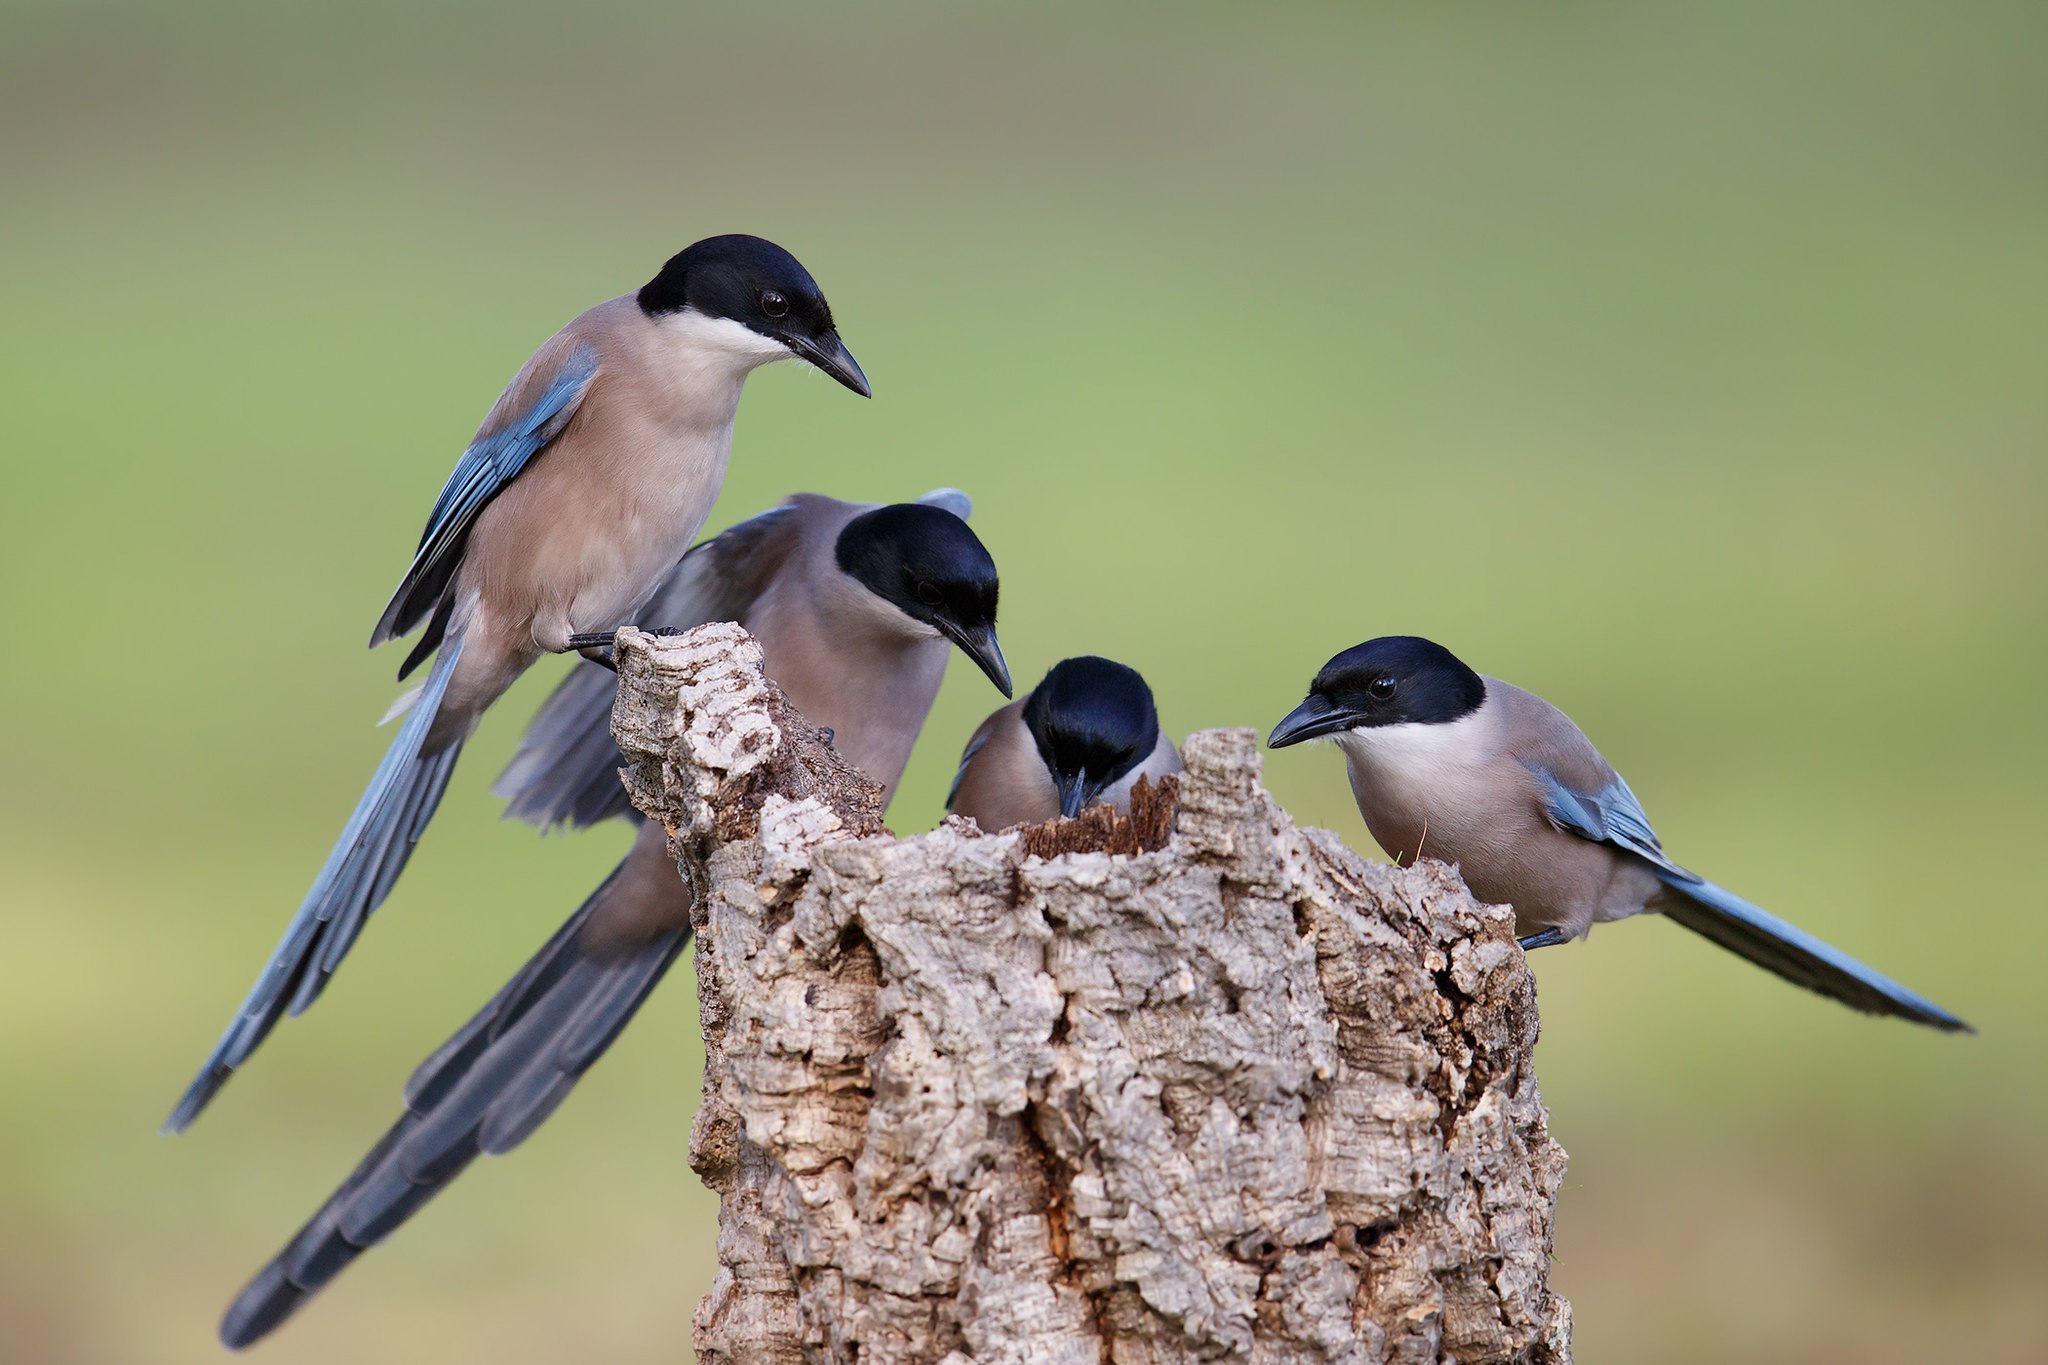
705,362
848,669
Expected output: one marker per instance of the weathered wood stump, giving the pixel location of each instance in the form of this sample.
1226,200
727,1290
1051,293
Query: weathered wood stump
1228,1092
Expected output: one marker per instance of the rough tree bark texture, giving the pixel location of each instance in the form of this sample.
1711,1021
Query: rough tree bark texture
1229,1093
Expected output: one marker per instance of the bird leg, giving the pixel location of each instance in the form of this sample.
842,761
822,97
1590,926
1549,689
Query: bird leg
596,646
1549,938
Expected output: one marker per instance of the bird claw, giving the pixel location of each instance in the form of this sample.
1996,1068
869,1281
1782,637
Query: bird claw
1549,938
827,734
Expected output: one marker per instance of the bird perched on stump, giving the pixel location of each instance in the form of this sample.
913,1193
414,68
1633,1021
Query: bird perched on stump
593,472
1477,772
1082,737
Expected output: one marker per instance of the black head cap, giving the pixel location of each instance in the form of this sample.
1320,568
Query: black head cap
927,563
1394,680
1093,721
760,286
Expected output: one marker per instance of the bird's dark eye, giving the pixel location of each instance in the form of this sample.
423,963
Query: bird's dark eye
773,304
929,594
1381,687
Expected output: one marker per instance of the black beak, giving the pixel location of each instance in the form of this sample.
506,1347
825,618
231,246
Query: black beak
979,644
1077,793
1316,716
829,354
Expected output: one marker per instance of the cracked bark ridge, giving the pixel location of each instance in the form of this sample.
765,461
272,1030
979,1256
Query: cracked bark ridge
1235,1095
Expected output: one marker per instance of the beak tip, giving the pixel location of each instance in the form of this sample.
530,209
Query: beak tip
1308,721
981,645
829,354
1074,794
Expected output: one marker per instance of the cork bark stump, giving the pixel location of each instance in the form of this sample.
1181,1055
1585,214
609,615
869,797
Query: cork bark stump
1228,1092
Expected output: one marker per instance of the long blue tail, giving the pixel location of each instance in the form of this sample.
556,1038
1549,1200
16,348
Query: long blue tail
1794,954
481,1093
357,876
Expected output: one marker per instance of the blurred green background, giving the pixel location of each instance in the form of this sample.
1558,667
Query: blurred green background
1681,362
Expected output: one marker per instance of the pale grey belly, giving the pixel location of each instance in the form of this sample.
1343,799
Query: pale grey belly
1509,854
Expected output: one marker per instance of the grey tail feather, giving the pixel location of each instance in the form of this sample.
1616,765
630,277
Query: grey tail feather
482,1092
357,876
1794,954
567,769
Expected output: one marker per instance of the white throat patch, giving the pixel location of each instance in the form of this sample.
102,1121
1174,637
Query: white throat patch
700,340
854,602
1415,747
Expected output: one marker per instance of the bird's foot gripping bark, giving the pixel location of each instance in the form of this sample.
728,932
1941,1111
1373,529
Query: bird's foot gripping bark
598,646
1214,1089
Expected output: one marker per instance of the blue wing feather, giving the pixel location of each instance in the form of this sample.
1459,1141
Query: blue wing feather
1611,815
491,462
